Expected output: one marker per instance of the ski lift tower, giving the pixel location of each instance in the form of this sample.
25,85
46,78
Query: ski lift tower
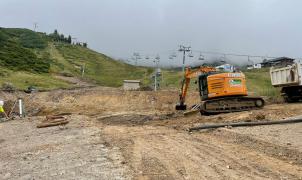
156,63
136,57
184,50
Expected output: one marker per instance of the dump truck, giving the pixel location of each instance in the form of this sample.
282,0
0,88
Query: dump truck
220,92
289,80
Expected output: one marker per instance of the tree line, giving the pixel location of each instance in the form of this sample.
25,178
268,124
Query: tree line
56,36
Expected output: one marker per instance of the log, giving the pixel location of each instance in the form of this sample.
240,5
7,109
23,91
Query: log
54,117
57,123
242,124
53,120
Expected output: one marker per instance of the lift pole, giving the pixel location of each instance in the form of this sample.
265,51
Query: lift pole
156,62
184,49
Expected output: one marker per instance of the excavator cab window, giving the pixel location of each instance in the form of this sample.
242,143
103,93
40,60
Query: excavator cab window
203,86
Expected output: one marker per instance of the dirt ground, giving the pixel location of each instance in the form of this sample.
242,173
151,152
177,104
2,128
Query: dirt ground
115,134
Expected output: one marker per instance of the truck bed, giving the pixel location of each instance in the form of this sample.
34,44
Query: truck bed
286,76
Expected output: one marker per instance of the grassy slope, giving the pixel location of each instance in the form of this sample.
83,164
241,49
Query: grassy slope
19,63
98,67
63,58
259,82
23,79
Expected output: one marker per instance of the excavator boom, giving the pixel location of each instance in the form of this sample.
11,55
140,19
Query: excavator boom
189,74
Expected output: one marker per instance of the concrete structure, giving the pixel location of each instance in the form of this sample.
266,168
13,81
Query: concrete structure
131,84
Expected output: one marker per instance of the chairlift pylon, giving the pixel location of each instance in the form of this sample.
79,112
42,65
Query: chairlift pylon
201,57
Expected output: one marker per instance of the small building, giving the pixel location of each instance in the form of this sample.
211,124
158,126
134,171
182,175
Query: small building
281,61
254,66
225,67
257,66
131,84
158,71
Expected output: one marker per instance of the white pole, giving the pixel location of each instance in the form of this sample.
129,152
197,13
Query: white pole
155,88
20,108
83,70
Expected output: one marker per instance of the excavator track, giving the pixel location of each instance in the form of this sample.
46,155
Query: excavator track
230,104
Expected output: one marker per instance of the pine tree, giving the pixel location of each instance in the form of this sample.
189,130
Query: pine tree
62,37
69,39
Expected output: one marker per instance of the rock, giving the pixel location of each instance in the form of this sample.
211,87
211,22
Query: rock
288,143
26,177
7,176
229,167
260,116
123,162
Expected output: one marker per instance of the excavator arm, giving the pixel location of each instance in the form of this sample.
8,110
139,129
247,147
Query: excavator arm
189,74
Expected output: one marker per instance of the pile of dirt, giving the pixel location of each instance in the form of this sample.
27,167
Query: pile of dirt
102,101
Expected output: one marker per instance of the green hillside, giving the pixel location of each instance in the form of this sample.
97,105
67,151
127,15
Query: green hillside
28,58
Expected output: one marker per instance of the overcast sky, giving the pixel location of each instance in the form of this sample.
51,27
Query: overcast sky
120,27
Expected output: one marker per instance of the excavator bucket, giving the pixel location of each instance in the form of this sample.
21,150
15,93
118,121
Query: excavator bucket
181,107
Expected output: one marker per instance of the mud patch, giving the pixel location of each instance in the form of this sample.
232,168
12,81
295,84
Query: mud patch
126,119
134,119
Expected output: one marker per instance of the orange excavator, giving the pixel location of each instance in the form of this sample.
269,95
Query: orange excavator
220,92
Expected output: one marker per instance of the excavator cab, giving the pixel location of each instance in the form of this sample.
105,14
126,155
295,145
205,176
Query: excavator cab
203,86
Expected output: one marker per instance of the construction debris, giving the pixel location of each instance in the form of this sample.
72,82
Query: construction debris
54,120
194,109
138,133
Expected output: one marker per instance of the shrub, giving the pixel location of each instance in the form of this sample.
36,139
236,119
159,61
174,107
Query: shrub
8,87
32,40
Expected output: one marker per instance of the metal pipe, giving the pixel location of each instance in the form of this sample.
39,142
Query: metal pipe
242,124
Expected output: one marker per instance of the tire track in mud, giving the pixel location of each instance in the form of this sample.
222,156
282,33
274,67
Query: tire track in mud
218,165
247,161
163,153
289,155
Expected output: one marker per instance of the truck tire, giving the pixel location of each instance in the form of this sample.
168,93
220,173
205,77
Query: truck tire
290,99
292,94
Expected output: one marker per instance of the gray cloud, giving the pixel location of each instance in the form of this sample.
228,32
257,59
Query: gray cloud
120,27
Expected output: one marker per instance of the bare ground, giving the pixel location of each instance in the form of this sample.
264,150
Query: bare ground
115,134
